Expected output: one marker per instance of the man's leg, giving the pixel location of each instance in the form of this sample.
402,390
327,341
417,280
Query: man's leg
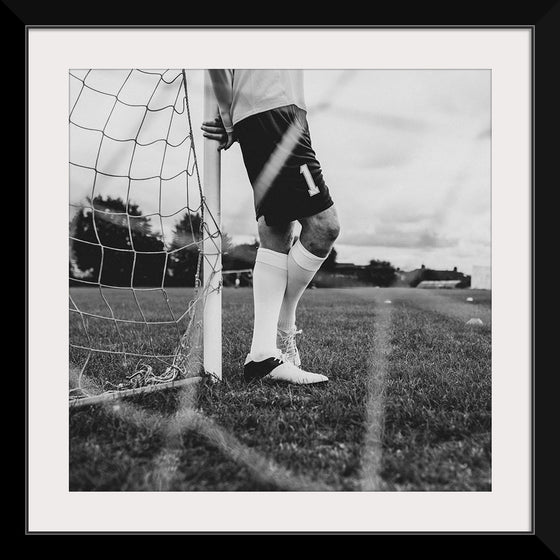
318,234
270,277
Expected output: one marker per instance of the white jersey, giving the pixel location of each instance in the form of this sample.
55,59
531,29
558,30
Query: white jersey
242,93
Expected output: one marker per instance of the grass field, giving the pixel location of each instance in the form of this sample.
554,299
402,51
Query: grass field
407,406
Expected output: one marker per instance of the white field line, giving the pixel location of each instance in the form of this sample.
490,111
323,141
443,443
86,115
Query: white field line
262,469
370,477
166,464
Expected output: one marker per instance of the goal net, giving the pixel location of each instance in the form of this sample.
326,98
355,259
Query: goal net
144,257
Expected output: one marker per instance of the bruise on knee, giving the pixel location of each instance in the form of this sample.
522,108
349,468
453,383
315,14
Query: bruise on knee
277,238
319,232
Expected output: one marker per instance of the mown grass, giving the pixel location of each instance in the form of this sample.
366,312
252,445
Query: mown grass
133,333
436,401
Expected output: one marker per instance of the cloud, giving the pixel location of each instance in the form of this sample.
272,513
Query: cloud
241,221
398,213
434,241
406,155
393,236
386,160
390,121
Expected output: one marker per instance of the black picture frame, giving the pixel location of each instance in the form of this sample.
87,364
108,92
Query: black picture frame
543,18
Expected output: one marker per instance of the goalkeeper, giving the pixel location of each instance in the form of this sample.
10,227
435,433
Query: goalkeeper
265,111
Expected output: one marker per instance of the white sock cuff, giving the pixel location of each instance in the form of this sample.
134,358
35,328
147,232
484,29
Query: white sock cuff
272,258
305,258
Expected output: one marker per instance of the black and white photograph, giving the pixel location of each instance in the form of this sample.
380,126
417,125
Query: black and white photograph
334,225
285,282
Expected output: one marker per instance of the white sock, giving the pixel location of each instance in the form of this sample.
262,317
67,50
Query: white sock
302,266
270,277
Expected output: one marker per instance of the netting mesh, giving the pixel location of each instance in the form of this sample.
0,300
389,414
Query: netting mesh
138,221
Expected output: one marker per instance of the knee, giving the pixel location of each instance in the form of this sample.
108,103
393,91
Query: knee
320,232
279,239
331,229
328,228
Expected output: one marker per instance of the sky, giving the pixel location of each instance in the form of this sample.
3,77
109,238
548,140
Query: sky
405,153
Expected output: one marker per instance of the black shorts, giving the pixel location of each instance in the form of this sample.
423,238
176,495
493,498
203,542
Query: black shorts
283,169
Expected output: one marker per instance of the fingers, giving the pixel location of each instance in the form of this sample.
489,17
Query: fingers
216,122
214,133
218,137
228,143
210,130
213,129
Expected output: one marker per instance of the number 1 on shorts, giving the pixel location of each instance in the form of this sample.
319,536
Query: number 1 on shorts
312,187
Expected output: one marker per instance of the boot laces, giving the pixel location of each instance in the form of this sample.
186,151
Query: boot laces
288,341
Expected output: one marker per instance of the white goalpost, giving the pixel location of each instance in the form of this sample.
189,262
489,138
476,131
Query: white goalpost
212,248
145,236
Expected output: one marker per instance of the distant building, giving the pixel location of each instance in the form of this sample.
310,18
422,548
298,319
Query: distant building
381,273
428,278
348,270
439,284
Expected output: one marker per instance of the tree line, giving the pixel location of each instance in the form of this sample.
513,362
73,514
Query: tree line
113,243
